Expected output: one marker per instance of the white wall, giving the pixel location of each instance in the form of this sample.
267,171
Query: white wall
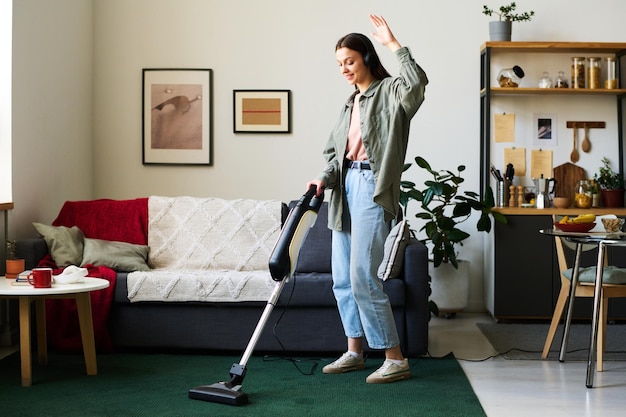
52,109
275,44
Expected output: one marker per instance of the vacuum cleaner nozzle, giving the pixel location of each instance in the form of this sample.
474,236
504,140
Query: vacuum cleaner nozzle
221,392
224,392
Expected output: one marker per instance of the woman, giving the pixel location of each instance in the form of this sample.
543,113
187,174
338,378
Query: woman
365,155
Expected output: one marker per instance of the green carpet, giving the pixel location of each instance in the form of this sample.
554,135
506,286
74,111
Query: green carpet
152,385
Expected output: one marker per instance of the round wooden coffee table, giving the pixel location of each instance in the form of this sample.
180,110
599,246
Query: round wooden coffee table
27,294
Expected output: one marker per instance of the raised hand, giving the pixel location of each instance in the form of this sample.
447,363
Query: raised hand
383,34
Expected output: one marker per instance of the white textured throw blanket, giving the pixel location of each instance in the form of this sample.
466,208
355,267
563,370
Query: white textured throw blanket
208,249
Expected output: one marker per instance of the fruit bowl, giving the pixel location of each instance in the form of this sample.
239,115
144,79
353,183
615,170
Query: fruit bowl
574,227
613,225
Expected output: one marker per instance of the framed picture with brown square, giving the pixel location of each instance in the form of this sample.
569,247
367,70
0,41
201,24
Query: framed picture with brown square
262,111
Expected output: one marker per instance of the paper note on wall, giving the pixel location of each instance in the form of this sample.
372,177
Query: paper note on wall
504,127
541,164
517,157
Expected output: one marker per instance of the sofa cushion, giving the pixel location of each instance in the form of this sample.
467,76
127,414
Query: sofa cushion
200,285
119,256
118,220
65,244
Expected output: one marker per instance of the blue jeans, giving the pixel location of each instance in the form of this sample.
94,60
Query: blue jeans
357,252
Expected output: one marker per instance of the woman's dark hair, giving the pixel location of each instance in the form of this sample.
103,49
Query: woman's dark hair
362,44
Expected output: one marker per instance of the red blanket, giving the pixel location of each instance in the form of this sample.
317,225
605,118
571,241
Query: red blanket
62,325
120,220
117,220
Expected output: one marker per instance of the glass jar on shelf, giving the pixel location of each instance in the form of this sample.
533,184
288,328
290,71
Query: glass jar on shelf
545,81
593,73
578,72
583,197
611,77
510,77
561,81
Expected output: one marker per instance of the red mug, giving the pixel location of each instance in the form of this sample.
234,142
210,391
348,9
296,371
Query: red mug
40,278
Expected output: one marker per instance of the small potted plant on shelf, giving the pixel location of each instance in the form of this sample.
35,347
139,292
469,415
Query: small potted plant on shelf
611,185
500,30
14,265
443,208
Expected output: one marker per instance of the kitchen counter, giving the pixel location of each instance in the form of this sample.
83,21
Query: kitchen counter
522,211
523,280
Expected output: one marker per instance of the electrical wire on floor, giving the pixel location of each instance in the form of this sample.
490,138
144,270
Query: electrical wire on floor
502,354
294,361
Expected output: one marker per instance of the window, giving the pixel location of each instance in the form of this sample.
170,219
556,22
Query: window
6,18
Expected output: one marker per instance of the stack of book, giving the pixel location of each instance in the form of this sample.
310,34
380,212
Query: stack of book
22,278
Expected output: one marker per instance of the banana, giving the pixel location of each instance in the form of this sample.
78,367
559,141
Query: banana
564,220
584,218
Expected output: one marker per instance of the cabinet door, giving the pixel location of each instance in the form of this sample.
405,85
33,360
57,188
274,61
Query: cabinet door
617,306
524,271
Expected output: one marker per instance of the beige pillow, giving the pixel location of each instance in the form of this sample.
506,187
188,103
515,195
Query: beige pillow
65,244
120,256
395,244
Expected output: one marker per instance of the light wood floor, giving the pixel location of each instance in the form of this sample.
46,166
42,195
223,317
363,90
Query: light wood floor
514,388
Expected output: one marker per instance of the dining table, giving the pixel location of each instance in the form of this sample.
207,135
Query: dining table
602,240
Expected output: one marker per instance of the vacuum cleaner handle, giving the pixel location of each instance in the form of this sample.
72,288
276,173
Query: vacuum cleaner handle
282,264
300,219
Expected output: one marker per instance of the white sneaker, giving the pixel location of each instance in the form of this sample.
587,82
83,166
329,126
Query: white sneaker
389,372
346,363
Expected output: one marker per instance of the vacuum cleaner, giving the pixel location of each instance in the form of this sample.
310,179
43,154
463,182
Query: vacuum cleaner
282,265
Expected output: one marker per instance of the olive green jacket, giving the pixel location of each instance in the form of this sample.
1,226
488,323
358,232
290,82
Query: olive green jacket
386,108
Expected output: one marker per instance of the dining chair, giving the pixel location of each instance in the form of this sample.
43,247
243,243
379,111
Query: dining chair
613,286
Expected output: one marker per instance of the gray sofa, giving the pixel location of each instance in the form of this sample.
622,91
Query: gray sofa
305,320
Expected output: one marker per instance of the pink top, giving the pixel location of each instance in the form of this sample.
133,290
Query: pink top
355,151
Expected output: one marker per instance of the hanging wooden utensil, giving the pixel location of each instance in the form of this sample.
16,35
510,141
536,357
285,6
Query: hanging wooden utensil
586,144
574,156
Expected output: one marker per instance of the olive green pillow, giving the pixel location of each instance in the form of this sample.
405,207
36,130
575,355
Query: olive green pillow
120,256
65,244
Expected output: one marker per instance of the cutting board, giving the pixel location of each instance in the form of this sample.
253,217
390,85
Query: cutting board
567,177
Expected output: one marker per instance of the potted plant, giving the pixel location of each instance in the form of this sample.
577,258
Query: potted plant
14,265
611,185
444,207
500,30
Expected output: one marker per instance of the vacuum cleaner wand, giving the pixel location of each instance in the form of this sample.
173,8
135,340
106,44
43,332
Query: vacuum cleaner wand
282,264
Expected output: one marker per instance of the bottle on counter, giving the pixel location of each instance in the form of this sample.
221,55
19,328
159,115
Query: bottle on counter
595,194
583,197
